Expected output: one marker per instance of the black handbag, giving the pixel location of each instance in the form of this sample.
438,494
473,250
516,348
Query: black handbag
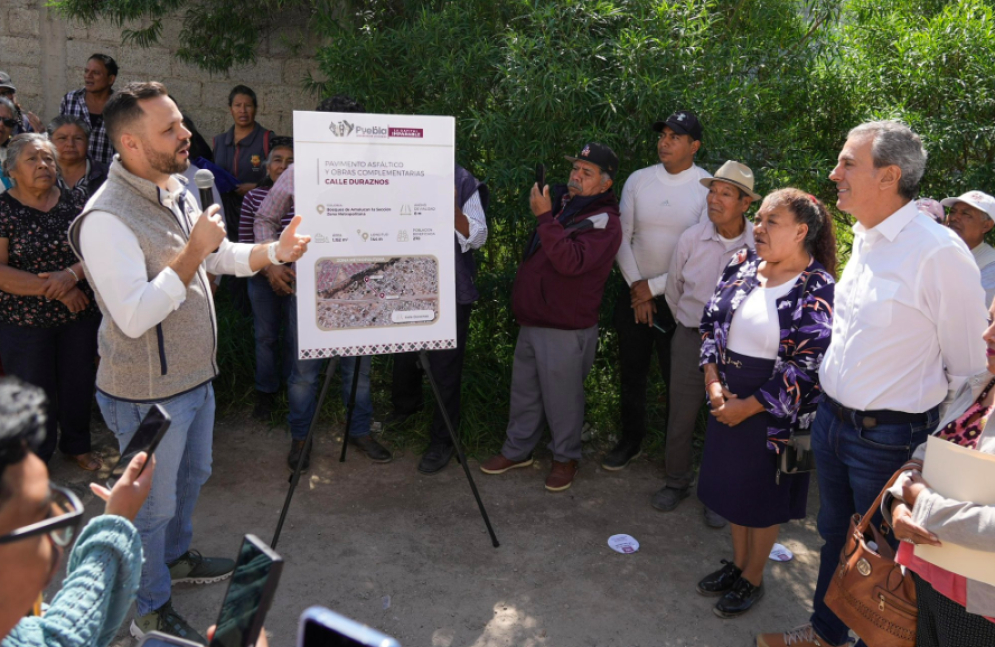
797,456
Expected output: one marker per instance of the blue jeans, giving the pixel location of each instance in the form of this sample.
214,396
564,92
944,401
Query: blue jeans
302,388
270,313
853,464
183,464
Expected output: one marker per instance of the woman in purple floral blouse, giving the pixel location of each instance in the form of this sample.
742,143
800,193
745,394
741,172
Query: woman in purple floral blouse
48,317
764,333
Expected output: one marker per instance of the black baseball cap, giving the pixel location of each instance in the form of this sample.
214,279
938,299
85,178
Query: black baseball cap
682,122
599,155
5,81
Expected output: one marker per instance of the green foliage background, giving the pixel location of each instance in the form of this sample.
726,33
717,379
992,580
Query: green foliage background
776,83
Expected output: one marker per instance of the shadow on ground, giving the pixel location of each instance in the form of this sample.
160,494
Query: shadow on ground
409,555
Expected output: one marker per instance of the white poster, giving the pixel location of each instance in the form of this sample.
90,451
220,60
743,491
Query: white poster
376,194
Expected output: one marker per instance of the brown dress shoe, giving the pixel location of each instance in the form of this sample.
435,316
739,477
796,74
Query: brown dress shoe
803,636
561,476
498,464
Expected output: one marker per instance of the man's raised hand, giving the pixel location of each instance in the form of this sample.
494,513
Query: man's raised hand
292,246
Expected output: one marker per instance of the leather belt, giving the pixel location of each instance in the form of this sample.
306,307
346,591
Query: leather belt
871,419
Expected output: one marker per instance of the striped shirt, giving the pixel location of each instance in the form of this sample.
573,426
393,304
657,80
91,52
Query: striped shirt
250,206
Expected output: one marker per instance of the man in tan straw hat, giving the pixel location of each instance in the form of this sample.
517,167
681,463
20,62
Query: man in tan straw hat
702,253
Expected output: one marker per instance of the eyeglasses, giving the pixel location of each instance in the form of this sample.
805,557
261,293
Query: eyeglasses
62,521
10,123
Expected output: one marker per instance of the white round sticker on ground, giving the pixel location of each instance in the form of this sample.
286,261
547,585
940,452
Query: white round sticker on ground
780,553
623,544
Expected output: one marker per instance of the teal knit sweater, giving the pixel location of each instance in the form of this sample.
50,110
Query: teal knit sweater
101,582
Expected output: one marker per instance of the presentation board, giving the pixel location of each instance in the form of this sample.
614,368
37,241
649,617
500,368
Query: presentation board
376,194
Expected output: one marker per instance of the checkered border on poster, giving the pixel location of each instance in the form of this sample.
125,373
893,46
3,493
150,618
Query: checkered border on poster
377,349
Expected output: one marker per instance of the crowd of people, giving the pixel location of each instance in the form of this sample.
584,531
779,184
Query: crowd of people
109,265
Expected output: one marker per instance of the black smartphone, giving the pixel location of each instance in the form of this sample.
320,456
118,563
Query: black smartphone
320,627
146,439
250,593
541,176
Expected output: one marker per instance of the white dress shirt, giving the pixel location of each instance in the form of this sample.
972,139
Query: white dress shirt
908,317
474,212
656,208
116,265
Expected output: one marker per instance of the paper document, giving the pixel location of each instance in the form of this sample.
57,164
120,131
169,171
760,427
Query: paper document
964,475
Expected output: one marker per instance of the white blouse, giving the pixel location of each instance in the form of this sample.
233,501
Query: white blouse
755,330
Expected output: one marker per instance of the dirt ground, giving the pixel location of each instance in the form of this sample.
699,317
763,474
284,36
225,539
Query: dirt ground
409,554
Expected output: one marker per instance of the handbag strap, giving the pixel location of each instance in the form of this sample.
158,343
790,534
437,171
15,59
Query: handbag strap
865,520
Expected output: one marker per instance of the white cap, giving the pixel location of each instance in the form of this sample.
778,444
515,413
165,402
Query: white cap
976,199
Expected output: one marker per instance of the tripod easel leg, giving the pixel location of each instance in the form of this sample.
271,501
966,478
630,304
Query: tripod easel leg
351,406
423,358
329,372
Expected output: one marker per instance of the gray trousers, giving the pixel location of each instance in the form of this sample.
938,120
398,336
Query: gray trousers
687,394
547,387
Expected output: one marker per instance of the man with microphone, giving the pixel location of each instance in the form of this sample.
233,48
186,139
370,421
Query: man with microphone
146,249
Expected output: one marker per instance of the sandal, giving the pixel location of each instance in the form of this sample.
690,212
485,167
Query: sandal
89,461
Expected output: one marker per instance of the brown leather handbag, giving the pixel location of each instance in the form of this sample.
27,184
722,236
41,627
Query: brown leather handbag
869,592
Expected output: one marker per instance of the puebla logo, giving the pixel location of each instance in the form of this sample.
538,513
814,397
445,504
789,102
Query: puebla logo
342,128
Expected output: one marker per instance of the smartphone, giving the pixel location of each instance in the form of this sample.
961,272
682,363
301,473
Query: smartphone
541,176
250,593
320,627
158,639
146,439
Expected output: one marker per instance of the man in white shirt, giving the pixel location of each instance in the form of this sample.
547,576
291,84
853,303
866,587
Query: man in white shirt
972,215
702,253
659,203
146,249
907,324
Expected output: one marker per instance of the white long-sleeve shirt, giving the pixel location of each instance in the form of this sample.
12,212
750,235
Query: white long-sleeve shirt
656,208
474,212
115,262
908,317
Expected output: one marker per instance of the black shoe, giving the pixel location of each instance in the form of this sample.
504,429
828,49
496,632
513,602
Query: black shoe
263,411
668,498
623,454
398,418
720,581
296,448
739,600
435,458
374,450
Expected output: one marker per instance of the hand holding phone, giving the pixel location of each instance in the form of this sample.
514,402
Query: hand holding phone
540,176
154,426
250,593
128,495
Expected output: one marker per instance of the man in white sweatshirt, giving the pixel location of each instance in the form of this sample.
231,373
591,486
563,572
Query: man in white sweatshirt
658,204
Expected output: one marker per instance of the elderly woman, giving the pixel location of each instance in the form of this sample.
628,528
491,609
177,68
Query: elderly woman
8,122
242,150
271,290
764,333
39,521
48,318
953,609
71,136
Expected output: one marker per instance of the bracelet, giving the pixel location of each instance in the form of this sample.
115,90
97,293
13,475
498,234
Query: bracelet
271,254
708,384
75,276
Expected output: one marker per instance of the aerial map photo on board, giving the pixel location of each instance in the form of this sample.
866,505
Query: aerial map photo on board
376,291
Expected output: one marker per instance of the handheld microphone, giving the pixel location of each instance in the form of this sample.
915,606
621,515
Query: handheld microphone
204,180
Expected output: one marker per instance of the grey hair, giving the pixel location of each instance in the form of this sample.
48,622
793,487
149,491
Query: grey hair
894,143
66,120
7,103
18,143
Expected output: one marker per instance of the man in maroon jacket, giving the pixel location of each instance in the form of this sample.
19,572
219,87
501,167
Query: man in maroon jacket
556,298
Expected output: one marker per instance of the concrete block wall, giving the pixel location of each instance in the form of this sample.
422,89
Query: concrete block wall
45,54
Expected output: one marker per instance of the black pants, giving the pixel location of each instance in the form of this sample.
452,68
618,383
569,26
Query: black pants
635,352
59,360
944,623
447,368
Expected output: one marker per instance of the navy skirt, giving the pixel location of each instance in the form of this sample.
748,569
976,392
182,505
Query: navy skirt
738,477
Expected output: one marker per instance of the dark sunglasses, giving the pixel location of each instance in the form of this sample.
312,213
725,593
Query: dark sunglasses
10,123
61,524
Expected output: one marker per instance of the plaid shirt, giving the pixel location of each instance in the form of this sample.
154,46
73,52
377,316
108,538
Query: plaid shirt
100,149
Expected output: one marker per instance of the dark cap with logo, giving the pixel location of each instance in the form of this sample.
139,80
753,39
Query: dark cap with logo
5,81
599,155
682,122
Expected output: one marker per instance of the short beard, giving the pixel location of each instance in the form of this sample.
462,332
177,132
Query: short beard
164,162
